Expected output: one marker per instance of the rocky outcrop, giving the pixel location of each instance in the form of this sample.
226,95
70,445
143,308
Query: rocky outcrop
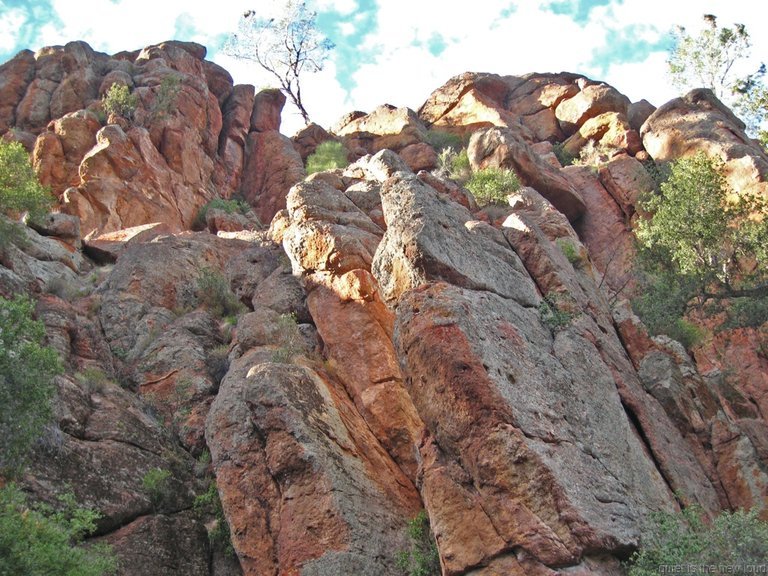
699,122
186,142
385,346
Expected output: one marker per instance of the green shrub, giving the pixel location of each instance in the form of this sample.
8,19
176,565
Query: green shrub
213,292
570,251
26,389
746,312
20,190
441,140
165,98
553,313
492,185
288,339
35,541
422,557
329,155
157,486
738,540
231,206
565,158
209,504
119,100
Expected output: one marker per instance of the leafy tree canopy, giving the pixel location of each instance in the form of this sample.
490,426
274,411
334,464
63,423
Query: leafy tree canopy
26,390
718,58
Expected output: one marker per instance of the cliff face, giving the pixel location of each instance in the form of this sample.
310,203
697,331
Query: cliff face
390,347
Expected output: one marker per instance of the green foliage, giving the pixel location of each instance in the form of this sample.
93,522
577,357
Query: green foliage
329,155
287,45
735,539
26,389
703,233
209,504
35,541
165,97
716,59
230,206
440,140
422,557
288,339
570,251
662,302
554,313
119,100
20,190
565,158
746,312
658,171
213,292
157,486
492,185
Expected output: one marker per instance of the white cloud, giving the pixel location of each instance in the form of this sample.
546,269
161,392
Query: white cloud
10,24
343,7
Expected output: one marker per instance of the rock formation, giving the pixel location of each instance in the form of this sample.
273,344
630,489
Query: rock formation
386,345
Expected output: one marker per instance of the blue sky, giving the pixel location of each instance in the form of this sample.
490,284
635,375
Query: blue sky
398,51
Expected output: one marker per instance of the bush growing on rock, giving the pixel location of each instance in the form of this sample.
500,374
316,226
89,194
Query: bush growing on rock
422,557
27,369
230,206
119,100
36,541
213,292
20,190
329,155
736,539
702,244
492,185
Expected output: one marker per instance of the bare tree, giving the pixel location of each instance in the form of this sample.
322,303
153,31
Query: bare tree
286,46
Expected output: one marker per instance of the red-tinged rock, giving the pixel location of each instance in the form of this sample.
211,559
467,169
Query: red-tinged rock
267,107
490,90
610,130
699,122
309,138
219,81
15,76
626,180
386,127
592,100
419,156
503,148
638,113
605,230
329,497
158,544
272,166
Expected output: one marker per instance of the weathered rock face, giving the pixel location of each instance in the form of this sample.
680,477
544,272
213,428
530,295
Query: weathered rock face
385,346
699,122
180,148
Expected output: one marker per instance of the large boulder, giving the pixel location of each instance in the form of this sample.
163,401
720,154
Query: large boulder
699,122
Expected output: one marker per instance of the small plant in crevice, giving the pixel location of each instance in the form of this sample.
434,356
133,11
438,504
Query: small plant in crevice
289,339
421,558
208,505
213,292
157,486
570,251
328,155
563,156
442,140
554,313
